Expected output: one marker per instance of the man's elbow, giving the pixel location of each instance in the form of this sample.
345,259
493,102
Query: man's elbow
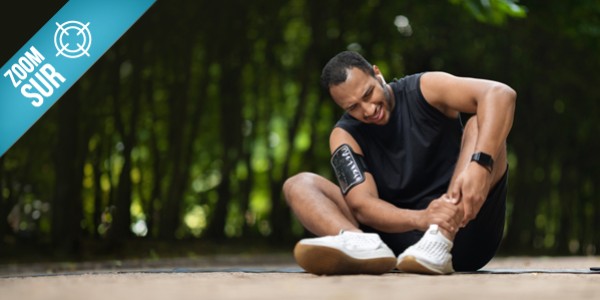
359,213
503,96
506,93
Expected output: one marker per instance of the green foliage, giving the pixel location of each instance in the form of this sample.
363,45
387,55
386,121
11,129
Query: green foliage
492,11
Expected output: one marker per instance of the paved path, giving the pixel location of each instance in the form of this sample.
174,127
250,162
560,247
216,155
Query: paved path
227,278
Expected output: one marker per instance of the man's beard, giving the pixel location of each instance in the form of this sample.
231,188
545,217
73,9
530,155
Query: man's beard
387,95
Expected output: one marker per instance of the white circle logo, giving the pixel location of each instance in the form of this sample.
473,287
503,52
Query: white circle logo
72,39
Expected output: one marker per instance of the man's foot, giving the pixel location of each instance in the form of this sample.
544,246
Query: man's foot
345,253
430,255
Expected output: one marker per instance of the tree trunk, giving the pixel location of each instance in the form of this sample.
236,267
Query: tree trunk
233,55
230,133
67,205
122,217
97,214
170,218
521,230
157,168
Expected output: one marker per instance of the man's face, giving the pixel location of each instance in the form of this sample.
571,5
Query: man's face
364,97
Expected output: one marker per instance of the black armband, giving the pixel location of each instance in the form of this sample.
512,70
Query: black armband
349,167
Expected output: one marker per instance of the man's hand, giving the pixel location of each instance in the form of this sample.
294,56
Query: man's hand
470,188
444,212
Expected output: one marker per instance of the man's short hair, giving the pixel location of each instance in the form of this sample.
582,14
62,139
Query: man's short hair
336,70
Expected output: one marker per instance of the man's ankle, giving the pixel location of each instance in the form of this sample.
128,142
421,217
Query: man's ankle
447,234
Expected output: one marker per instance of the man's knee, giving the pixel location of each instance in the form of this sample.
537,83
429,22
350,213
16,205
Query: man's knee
298,183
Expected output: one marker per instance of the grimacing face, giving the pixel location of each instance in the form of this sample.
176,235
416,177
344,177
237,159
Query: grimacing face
366,98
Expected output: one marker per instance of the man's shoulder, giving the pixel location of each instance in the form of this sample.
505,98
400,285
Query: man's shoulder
407,82
348,124
347,120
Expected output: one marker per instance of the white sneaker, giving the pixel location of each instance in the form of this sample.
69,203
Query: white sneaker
345,253
430,255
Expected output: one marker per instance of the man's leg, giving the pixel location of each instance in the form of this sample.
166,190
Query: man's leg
476,244
342,247
318,204
431,254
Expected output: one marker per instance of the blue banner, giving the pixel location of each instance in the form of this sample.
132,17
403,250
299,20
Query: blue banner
56,57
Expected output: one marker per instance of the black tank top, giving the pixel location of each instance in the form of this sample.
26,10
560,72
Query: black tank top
412,157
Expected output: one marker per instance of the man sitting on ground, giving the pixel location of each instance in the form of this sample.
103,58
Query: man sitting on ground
417,190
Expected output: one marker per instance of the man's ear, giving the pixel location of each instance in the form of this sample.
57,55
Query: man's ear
378,74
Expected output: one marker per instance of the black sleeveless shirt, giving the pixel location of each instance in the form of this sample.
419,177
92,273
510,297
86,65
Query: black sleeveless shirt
412,157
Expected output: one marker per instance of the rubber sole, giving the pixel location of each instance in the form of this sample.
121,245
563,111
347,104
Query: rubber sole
410,264
321,260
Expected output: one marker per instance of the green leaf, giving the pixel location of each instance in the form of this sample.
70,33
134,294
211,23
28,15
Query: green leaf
492,11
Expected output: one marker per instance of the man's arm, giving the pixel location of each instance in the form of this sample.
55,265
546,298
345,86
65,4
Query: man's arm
493,104
368,209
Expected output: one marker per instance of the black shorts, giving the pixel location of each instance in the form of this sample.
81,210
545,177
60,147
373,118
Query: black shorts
474,245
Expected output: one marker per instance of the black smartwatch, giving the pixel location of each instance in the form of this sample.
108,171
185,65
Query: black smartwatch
484,160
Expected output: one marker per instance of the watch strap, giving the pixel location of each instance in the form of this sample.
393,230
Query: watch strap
484,160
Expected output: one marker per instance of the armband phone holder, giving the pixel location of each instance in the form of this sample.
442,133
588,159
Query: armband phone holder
349,167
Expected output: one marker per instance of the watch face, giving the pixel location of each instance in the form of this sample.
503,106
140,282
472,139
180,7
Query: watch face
483,159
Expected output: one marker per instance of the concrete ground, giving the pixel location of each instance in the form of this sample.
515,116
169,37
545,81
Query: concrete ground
277,277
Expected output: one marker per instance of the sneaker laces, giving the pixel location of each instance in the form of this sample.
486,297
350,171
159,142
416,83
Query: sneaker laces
359,240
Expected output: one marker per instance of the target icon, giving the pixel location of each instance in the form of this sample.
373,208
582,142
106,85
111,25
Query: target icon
72,39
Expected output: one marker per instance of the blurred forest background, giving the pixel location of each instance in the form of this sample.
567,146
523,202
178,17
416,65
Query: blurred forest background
184,132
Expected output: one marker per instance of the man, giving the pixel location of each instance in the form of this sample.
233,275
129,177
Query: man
418,191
